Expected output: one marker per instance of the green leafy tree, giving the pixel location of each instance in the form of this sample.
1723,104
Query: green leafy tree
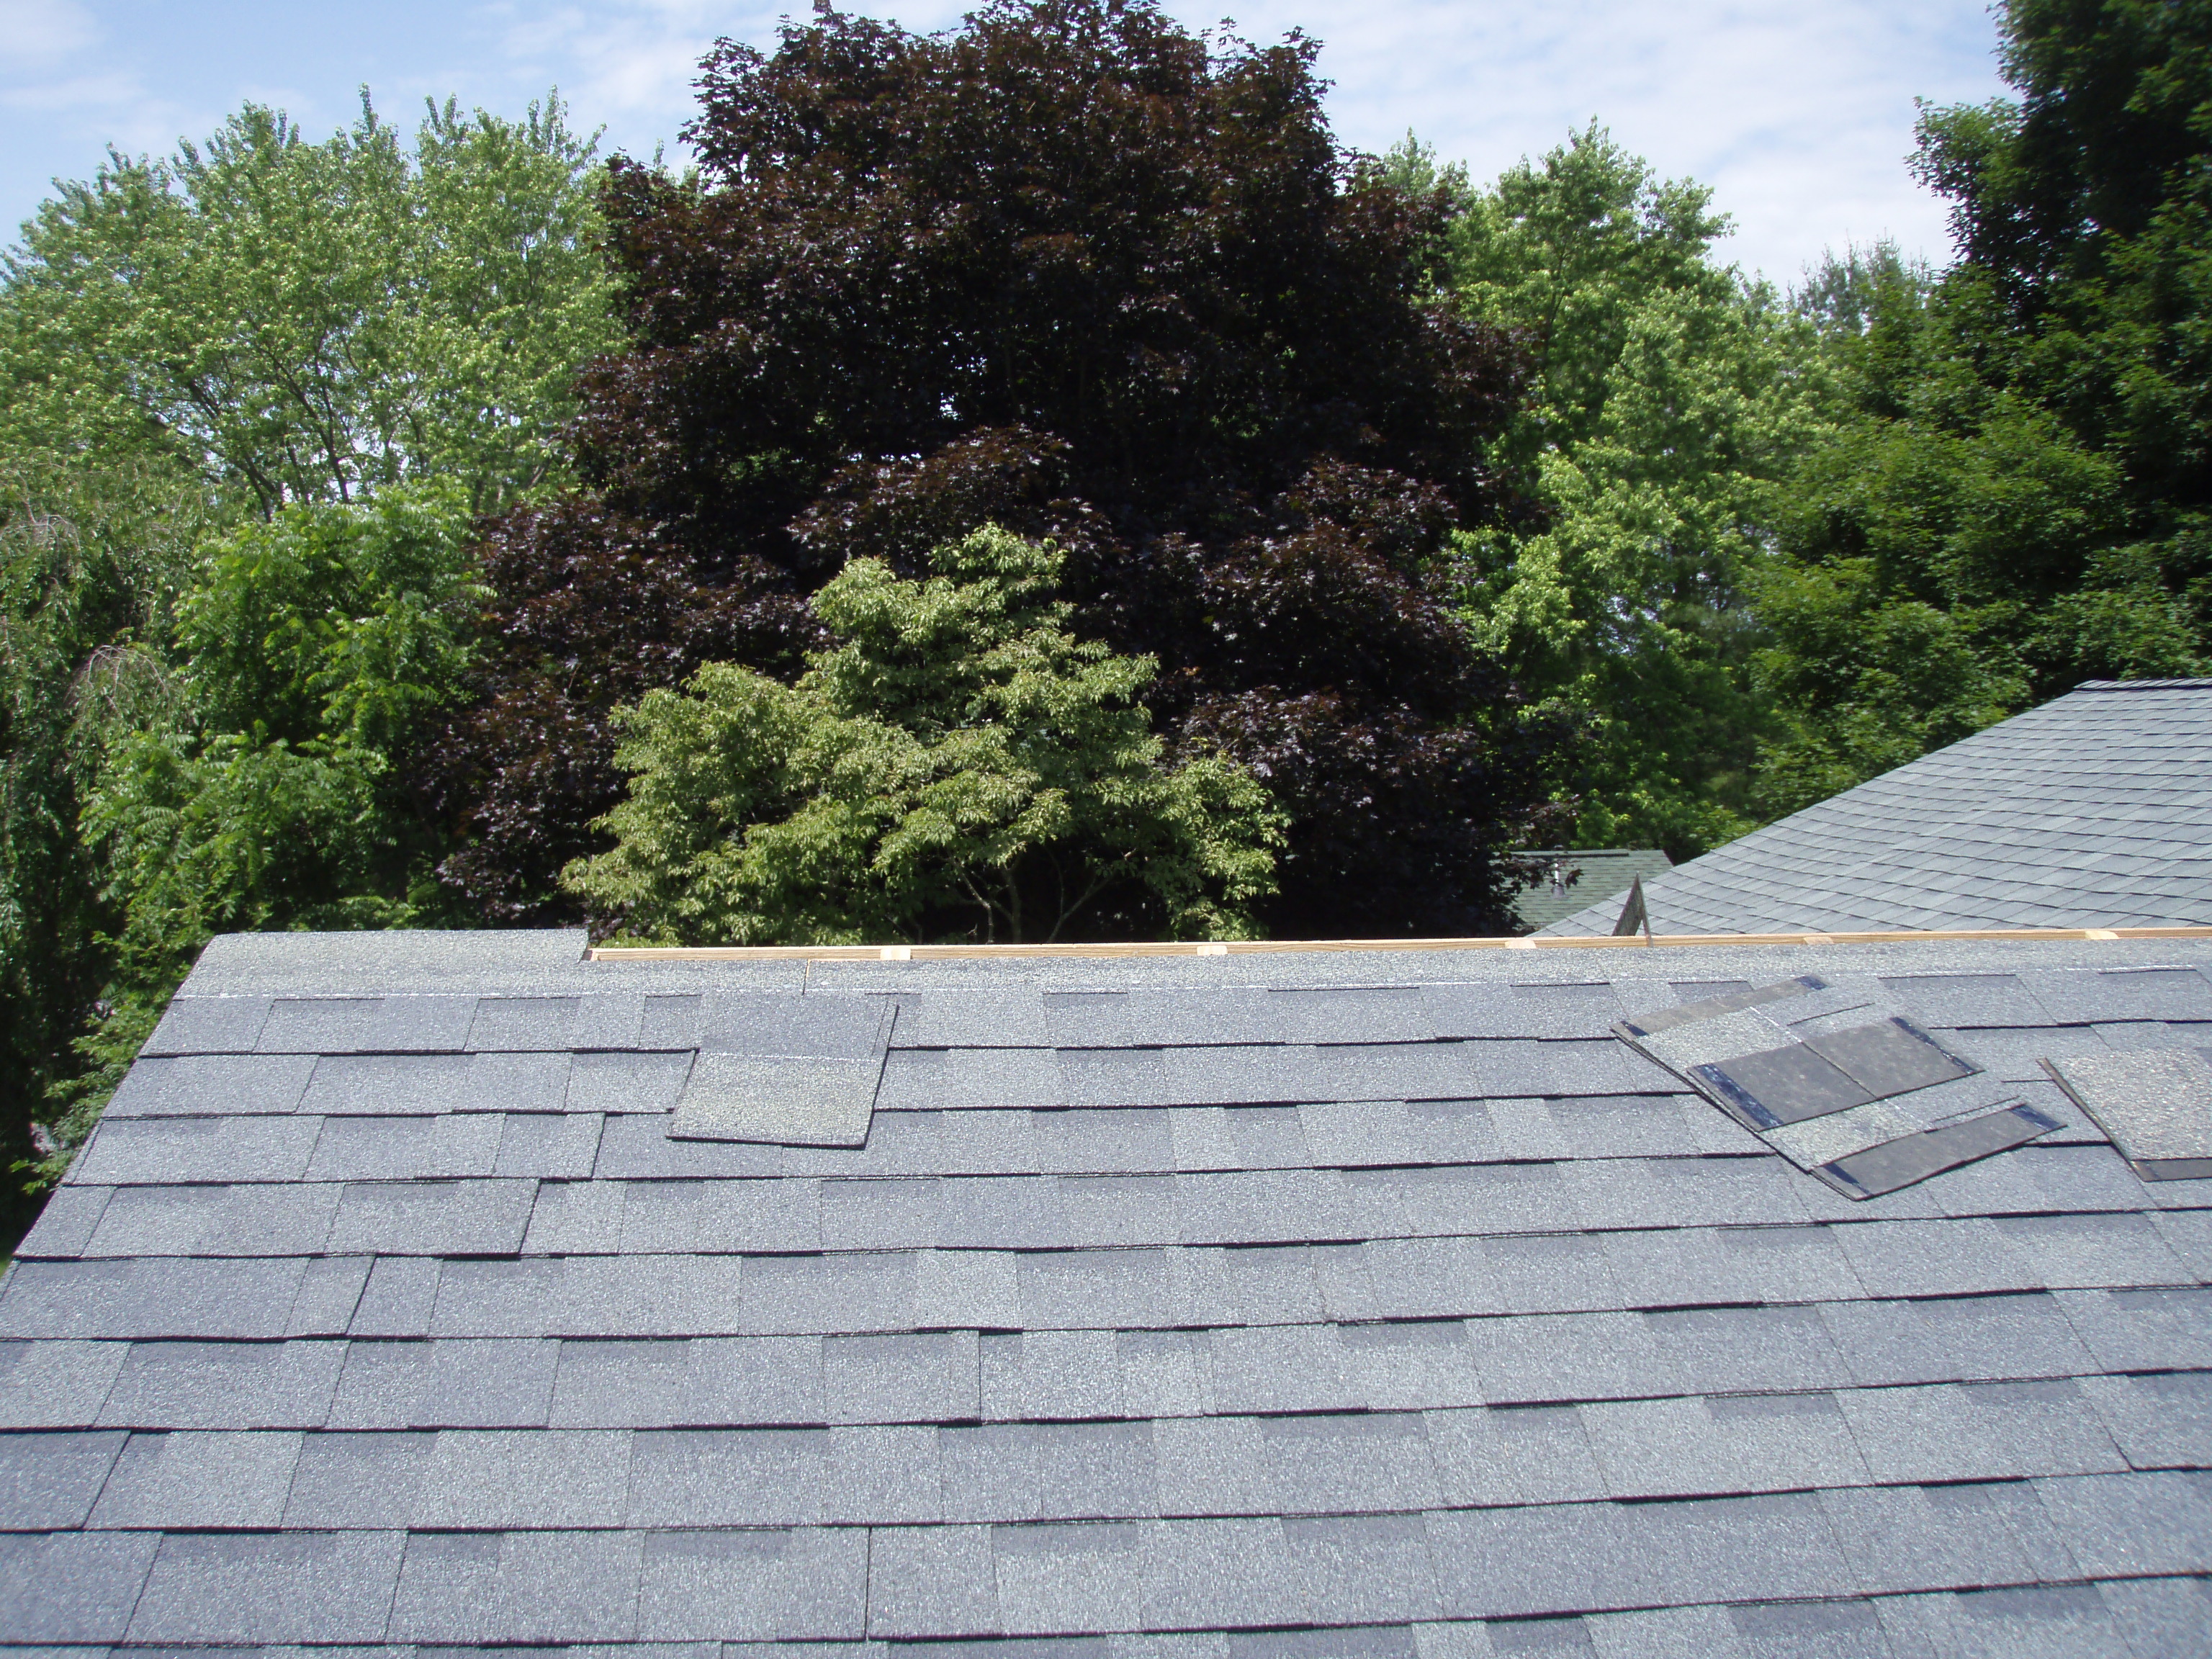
961,765
1075,271
302,322
260,787
90,557
2022,468
1669,399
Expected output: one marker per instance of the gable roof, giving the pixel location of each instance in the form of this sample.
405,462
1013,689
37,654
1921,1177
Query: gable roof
2092,811
1601,873
1377,1303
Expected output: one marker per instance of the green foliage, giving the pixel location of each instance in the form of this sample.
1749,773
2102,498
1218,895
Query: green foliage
960,765
1073,270
1671,397
302,322
259,789
90,557
2022,475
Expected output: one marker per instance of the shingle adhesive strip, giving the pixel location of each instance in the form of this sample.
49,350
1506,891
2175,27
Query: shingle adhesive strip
1837,1083
2155,1103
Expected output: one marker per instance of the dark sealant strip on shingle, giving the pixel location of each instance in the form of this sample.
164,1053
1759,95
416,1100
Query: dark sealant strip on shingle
1896,1164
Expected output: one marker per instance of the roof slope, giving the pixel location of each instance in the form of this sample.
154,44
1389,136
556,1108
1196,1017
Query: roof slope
381,1310
1601,873
2093,811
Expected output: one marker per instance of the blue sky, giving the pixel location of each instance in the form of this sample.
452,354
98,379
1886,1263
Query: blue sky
1799,115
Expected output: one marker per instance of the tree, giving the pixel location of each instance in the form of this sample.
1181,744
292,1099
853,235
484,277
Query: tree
90,557
303,322
1071,270
2021,468
1669,398
200,724
258,781
960,764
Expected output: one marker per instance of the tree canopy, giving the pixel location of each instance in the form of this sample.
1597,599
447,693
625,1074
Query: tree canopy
958,763
2017,498
1074,270
299,322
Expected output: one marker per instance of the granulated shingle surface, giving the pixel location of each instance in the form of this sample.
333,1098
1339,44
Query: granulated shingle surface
2092,811
1325,1304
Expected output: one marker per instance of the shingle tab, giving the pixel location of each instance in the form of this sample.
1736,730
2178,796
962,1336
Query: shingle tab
271,1588
1376,1307
193,1480
49,1481
72,1587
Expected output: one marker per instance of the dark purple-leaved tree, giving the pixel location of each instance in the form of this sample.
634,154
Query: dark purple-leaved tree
1076,270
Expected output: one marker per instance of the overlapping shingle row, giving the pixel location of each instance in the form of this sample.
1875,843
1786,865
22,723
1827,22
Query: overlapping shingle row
1133,1329
2092,811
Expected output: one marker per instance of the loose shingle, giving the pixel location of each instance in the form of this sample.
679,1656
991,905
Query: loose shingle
787,1100
1355,1322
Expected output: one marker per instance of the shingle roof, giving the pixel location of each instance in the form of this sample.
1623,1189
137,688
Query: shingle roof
2092,811
1320,1305
1599,873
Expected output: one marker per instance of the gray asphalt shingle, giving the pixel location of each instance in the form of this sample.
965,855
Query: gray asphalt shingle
1346,1307
1988,833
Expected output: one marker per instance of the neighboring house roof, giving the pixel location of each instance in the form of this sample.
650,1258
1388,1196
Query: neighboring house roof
2092,811
1319,1305
1602,873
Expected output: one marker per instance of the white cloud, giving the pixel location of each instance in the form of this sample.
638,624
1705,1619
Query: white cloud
1799,117
36,33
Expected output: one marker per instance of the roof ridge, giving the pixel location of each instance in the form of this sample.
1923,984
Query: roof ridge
2145,685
